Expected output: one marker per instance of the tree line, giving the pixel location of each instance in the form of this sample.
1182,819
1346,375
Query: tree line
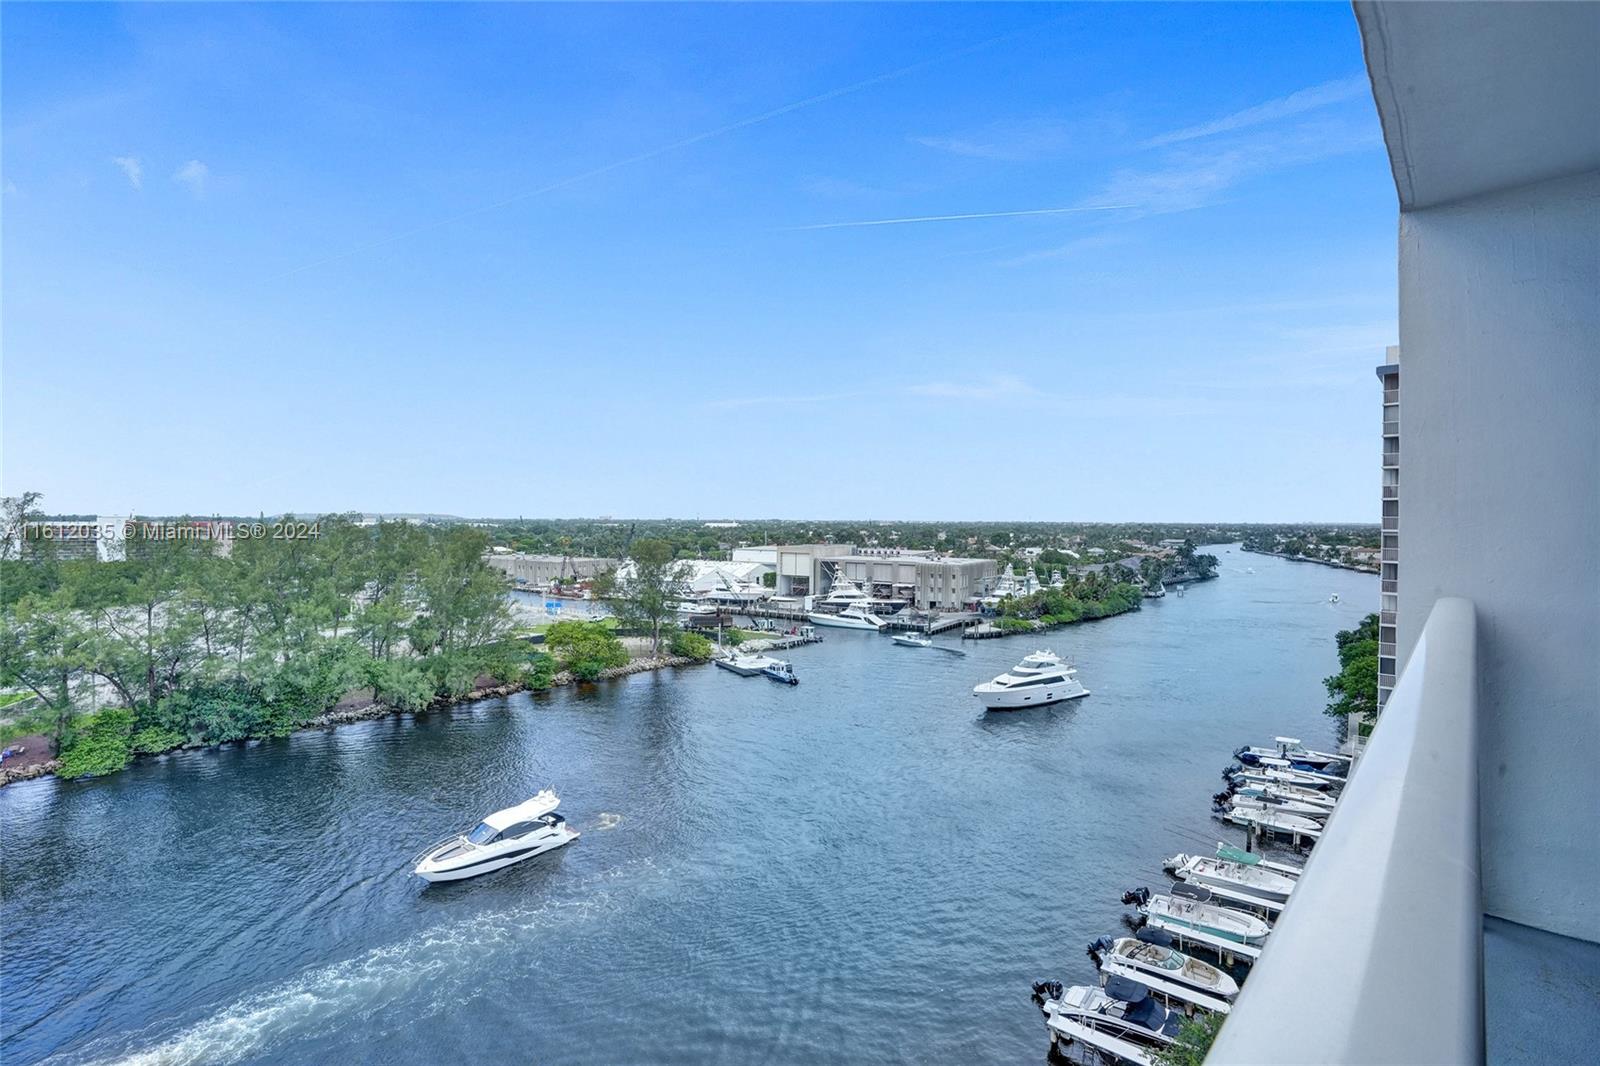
198,644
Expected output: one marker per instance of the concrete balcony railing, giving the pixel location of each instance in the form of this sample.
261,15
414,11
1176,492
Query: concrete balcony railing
1378,957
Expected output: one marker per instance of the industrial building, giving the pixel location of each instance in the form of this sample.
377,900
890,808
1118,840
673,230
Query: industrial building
541,571
926,580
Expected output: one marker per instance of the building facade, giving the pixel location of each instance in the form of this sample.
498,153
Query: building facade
927,581
540,571
1389,558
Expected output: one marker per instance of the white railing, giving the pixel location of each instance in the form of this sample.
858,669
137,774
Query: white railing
1378,957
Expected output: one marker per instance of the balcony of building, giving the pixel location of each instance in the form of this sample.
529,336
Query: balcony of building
1450,913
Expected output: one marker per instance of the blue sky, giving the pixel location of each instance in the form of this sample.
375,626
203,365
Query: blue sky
606,260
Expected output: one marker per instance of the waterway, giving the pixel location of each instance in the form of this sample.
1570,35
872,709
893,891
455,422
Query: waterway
863,868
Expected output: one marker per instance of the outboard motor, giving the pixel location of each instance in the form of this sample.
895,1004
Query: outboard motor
1221,798
1046,990
1100,948
1136,897
1228,772
1248,757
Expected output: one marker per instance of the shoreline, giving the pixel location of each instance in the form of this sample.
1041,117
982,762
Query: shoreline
1320,562
372,710
994,632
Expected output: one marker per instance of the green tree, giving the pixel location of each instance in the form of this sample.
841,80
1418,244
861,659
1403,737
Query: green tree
1193,1042
585,649
646,593
1354,689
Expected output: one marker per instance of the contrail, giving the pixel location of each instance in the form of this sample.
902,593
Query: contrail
675,146
959,218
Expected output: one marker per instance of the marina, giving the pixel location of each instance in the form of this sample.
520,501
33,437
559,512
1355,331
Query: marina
695,794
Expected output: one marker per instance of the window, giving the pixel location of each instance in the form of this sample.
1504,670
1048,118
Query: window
483,834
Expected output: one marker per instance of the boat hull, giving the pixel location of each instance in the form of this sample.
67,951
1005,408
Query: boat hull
834,621
1014,700
490,864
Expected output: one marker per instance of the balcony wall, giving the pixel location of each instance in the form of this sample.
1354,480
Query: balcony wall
1500,328
1378,957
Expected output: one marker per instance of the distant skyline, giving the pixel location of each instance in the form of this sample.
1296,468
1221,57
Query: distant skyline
953,263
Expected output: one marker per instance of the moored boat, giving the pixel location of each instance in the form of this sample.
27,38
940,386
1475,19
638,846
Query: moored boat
1122,1019
1273,821
1191,908
1240,877
1150,958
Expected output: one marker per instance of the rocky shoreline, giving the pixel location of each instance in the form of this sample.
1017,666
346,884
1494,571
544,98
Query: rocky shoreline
366,709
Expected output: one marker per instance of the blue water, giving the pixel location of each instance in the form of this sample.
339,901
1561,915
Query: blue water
864,868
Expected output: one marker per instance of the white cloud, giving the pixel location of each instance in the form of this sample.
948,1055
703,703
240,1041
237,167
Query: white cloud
1064,251
132,168
1004,387
1009,142
194,174
1296,103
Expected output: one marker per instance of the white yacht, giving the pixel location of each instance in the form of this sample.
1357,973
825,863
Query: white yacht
1220,873
1149,958
1040,678
1122,1020
857,617
912,640
504,837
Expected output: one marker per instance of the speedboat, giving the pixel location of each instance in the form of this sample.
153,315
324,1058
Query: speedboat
1122,1020
1268,803
912,640
1274,775
1278,791
1189,907
1333,598
855,617
1220,873
1255,858
1292,752
1149,958
780,671
1041,678
1272,821
504,837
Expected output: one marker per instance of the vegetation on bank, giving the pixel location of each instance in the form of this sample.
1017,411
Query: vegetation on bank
1193,1042
1354,689
196,645
1097,594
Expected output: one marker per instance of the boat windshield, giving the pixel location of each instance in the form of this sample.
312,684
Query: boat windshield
483,833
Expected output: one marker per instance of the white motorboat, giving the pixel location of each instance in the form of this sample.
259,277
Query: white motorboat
1269,803
1041,678
1220,873
1271,821
504,837
1122,1020
1333,598
1255,858
780,671
1189,907
857,617
1149,958
1274,775
1275,790
1290,751
912,640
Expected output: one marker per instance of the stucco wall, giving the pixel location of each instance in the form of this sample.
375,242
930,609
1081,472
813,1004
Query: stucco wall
1500,503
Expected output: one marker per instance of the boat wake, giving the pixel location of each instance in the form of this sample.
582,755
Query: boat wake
430,972
608,820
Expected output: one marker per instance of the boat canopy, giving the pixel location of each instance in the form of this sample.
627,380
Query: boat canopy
1229,853
1126,989
527,811
1159,937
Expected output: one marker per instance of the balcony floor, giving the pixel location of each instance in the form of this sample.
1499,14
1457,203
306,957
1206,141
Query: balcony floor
1540,992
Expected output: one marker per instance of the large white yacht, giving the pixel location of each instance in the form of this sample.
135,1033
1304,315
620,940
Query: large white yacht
504,837
1040,678
855,617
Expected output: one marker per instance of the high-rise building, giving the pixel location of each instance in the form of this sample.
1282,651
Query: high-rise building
1389,560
